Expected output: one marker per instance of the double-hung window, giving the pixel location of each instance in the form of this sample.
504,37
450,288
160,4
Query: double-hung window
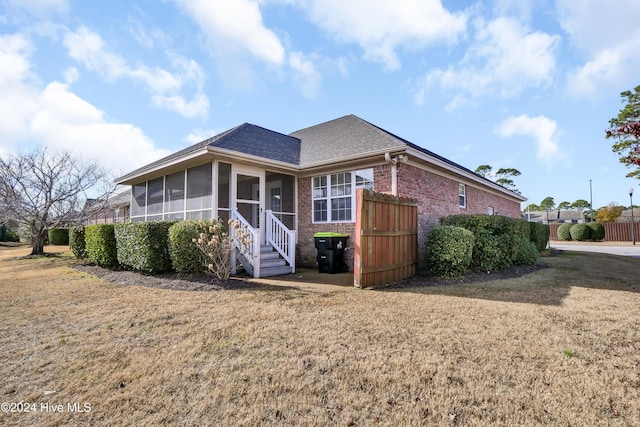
334,195
462,195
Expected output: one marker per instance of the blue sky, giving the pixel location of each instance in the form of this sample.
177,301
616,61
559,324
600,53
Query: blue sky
528,84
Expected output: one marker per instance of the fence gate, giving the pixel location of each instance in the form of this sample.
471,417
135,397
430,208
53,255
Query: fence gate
386,239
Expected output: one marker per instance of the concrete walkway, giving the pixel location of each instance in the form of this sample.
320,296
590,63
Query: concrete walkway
310,280
613,248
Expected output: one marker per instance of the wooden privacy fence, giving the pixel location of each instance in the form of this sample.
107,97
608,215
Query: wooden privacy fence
613,231
386,239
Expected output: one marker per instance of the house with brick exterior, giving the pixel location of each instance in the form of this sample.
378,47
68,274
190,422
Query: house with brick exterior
284,188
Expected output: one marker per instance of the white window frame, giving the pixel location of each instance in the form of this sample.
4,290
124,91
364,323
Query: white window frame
462,195
328,198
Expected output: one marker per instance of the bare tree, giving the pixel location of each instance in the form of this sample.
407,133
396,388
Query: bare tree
42,190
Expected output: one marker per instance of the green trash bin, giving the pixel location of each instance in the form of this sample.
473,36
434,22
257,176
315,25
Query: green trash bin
330,247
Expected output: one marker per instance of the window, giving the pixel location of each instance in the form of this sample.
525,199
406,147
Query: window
155,197
490,210
199,186
116,215
334,195
462,194
320,199
139,200
224,193
341,197
174,193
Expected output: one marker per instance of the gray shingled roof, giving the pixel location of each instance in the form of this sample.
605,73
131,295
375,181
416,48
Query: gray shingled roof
246,138
347,136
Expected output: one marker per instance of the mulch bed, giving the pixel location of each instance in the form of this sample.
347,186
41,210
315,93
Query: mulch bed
207,282
172,281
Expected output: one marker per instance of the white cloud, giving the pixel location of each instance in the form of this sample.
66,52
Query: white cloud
71,75
39,8
540,128
88,48
235,26
307,74
381,27
608,32
55,117
504,59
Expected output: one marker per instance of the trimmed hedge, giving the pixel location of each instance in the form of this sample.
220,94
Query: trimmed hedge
449,251
539,235
100,242
144,246
564,233
580,232
597,230
59,236
186,257
77,241
527,253
496,239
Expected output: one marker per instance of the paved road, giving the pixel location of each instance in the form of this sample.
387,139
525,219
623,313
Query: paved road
624,250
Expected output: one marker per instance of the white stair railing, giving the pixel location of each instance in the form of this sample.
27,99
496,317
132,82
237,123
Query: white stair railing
249,248
281,238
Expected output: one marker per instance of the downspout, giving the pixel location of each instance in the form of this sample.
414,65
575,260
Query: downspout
393,161
394,173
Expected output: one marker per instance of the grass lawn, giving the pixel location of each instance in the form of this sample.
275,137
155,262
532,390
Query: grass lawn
560,346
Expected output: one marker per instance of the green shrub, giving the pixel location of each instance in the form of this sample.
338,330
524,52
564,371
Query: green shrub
77,241
539,234
449,251
185,255
496,238
564,233
100,243
59,236
7,235
597,230
12,236
527,253
580,232
144,246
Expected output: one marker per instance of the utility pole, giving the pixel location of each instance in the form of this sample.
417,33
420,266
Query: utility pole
590,202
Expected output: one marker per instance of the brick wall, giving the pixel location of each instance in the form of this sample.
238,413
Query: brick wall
437,197
307,253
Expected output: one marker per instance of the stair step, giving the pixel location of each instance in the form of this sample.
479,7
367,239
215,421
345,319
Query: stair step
269,255
278,262
275,271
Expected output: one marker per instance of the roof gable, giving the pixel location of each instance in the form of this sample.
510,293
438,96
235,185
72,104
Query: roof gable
345,137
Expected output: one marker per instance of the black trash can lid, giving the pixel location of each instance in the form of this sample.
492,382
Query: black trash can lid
329,234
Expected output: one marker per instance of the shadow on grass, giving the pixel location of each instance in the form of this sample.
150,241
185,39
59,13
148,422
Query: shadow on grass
545,286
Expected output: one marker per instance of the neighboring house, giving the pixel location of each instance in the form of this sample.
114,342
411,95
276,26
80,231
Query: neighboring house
625,216
294,185
114,210
555,216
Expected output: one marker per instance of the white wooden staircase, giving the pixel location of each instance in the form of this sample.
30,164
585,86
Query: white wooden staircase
275,258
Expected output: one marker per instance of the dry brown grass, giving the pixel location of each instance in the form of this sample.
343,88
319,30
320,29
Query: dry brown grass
557,347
